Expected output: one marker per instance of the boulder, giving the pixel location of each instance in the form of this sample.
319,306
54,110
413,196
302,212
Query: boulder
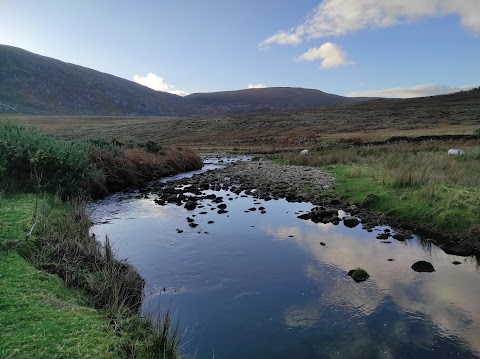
399,237
190,205
358,275
423,266
351,221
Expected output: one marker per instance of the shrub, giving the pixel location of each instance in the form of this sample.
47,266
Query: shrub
30,160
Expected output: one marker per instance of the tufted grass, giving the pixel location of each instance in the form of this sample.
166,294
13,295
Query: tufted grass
418,183
43,318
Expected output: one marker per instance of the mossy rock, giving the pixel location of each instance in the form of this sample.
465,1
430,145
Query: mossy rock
358,274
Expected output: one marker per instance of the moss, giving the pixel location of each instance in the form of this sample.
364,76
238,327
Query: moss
359,274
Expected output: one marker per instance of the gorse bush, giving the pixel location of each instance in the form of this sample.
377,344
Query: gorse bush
29,159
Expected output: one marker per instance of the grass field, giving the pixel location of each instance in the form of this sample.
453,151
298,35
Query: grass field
373,120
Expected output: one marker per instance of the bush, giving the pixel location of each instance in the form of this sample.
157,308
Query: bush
31,160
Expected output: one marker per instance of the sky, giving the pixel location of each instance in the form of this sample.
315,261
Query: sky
390,48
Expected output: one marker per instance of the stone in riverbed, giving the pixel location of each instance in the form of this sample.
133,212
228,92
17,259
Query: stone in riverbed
457,249
351,222
358,275
190,205
399,237
172,198
456,263
305,216
423,266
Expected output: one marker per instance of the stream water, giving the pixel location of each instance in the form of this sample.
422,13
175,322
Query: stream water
260,285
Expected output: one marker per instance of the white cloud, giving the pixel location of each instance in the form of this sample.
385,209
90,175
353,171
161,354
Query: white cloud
256,86
330,54
178,92
157,83
340,17
282,38
411,91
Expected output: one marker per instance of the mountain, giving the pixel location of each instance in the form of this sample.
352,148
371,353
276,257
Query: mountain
267,99
35,84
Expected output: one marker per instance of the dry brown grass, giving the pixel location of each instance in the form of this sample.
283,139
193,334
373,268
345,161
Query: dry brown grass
134,166
377,120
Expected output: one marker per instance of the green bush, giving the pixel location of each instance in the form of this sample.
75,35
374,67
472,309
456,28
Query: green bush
30,159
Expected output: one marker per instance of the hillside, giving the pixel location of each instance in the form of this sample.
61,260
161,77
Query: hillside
267,99
34,84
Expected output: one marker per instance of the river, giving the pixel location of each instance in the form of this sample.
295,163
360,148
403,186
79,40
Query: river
255,282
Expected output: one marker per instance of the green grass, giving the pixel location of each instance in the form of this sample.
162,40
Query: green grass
448,208
41,317
417,183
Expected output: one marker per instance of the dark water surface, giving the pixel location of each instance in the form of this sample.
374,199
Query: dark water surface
253,285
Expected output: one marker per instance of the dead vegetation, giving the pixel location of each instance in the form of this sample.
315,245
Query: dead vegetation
367,121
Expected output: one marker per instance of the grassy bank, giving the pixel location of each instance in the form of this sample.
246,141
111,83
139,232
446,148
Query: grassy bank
41,317
416,183
64,294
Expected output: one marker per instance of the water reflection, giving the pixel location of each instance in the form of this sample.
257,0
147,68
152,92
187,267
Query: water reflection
446,299
260,285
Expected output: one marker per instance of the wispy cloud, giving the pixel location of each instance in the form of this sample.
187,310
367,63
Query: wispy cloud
340,17
282,38
256,86
411,91
157,83
329,54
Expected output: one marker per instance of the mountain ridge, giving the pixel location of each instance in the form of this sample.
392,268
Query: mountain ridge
36,84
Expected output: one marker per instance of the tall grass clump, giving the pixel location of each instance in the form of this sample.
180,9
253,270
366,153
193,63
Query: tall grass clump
31,160
64,246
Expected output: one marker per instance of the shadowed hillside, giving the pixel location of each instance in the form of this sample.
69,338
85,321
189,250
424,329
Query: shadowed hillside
35,84
268,99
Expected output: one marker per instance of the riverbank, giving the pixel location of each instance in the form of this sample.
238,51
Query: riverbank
65,294
41,316
330,188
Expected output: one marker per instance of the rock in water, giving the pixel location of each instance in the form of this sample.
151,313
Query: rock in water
190,205
351,222
423,266
358,275
457,249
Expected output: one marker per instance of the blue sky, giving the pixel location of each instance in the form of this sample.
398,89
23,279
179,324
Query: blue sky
397,48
